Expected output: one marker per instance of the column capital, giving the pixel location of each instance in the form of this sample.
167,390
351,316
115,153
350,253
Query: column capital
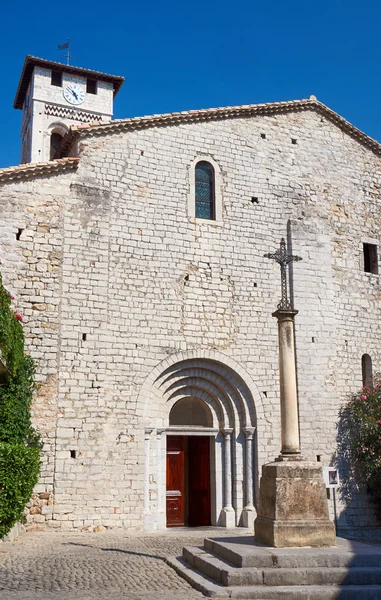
227,431
249,431
148,431
285,314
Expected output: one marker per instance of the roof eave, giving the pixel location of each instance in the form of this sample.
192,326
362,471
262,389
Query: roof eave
27,170
32,61
211,114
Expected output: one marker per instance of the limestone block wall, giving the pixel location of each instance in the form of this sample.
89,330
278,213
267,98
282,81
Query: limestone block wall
200,277
31,237
141,280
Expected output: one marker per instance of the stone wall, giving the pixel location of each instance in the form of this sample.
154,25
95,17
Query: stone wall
31,216
131,279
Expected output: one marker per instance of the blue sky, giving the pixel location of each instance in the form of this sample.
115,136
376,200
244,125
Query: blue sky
189,55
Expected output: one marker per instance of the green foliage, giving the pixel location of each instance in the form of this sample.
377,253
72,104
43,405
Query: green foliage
11,334
19,469
15,402
360,440
19,442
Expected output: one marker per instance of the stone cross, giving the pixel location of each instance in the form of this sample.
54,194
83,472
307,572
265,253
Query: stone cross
282,257
292,507
287,360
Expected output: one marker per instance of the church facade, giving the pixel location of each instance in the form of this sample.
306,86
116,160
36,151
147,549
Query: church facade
135,250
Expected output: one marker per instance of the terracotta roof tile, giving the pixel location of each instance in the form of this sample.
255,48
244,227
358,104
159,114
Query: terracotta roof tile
178,118
35,169
228,112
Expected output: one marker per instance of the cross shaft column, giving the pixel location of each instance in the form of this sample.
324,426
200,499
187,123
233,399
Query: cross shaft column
287,363
287,377
292,507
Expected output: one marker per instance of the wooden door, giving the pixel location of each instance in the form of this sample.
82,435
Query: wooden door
198,481
175,481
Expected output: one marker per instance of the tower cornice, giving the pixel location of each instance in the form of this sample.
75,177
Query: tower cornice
32,61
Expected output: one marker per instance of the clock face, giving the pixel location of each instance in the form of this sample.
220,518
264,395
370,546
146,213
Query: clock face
73,93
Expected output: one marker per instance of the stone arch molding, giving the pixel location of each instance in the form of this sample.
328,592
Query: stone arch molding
58,127
215,378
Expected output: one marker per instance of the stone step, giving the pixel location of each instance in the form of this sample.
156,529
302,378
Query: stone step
198,581
244,555
322,576
329,560
344,592
225,573
220,570
210,588
236,557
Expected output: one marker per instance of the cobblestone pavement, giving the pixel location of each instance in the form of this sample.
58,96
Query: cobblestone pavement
98,566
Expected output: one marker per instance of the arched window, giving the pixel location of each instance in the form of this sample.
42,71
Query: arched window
55,145
367,372
204,192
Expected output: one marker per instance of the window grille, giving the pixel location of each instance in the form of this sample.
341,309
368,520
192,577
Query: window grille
205,198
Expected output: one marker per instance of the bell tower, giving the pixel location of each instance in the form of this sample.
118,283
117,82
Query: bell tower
53,97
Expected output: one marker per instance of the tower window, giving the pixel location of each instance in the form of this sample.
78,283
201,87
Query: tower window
55,146
56,78
370,258
205,199
91,86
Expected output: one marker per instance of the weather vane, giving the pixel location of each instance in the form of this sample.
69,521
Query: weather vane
282,257
67,48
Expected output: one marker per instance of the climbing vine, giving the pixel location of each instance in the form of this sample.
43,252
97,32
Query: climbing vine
19,441
11,333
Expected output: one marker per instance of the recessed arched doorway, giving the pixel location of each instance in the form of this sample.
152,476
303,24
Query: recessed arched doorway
188,468
190,397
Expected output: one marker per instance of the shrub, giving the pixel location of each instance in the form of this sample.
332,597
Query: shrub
15,401
11,333
19,442
19,469
360,439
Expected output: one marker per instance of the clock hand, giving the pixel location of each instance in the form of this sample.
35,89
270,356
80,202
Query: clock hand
74,94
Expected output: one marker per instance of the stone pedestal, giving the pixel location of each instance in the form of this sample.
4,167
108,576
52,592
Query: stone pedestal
293,508
228,518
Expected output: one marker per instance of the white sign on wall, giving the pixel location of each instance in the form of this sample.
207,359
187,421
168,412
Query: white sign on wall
331,477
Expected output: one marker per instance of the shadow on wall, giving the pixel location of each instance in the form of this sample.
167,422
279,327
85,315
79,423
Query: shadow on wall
357,519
